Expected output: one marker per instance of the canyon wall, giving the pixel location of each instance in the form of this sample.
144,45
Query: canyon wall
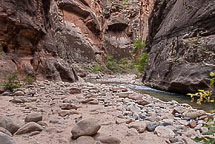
42,38
181,43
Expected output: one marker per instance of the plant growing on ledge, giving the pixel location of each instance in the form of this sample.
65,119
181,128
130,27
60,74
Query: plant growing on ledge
11,82
140,57
205,95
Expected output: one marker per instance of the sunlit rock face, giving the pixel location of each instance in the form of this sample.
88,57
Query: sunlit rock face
35,35
181,43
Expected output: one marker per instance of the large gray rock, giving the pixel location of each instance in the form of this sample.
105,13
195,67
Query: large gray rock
34,117
29,127
8,124
86,127
5,139
181,44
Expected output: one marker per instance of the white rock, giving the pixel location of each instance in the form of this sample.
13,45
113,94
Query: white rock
164,132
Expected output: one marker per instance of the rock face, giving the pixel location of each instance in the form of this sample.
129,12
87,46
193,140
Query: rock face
27,41
180,41
36,35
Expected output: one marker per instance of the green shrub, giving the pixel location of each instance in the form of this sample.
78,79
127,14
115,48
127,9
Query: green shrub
140,60
29,80
97,67
206,96
207,139
139,46
11,82
111,63
121,66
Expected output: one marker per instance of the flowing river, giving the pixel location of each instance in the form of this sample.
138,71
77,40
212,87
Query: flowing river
168,96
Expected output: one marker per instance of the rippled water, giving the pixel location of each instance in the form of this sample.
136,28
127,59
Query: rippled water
168,96
162,95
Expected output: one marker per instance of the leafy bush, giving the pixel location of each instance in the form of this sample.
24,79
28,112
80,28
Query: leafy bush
117,66
140,60
139,45
205,95
29,80
11,82
97,67
111,63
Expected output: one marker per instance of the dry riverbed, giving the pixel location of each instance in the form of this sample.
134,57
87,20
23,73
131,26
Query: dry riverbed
94,113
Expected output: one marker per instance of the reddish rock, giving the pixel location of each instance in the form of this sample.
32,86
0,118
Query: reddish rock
192,124
39,38
75,91
142,102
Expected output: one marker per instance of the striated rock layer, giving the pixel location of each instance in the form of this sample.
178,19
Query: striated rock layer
36,35
181,43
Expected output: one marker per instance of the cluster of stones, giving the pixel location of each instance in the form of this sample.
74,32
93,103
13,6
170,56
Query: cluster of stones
177,123
8,128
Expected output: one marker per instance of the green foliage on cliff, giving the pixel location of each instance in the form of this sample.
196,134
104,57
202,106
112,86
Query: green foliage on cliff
141,61
121,66
125,64
139,46
140,57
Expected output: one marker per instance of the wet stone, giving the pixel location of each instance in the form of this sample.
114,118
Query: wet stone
152,125
173,140
166,124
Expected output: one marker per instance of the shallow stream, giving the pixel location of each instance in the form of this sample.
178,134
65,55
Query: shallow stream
164,95
168,96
